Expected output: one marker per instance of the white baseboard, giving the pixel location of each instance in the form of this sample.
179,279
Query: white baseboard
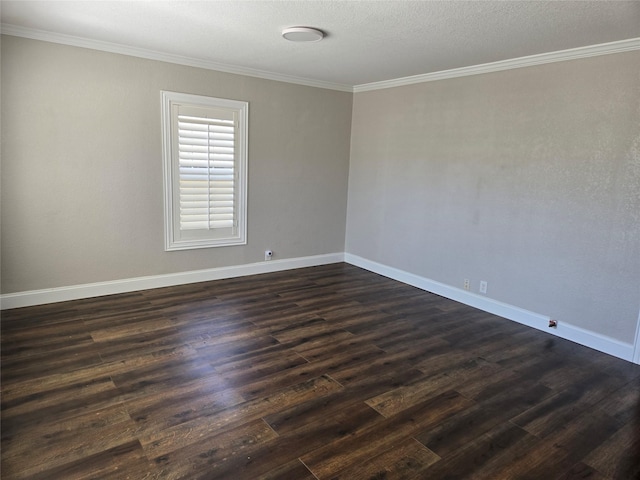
75,292
584,337
636,350
564,330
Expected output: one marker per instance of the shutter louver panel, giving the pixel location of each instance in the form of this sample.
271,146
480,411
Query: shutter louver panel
206,163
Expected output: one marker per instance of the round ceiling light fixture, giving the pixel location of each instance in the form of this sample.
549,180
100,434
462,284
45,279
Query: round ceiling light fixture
302,34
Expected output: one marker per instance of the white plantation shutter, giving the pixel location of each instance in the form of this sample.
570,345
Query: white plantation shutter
207,172
208,146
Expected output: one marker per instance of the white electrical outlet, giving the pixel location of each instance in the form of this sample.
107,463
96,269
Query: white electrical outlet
466,284
483,287
268,254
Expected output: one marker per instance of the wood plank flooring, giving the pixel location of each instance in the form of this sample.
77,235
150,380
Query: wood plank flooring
328,372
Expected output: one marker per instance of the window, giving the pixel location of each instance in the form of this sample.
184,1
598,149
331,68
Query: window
205,171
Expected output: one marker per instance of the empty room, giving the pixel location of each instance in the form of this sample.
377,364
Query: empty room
313,240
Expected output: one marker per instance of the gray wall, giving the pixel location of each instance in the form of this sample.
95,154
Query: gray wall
528,179
82,166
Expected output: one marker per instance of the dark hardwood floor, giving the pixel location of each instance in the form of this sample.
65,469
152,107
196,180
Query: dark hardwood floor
329,372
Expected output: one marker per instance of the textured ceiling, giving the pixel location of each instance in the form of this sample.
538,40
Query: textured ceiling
367,41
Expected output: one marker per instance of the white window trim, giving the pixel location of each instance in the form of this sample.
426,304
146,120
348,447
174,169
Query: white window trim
172,240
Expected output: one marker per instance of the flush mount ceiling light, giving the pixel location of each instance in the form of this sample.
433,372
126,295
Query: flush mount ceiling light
302,34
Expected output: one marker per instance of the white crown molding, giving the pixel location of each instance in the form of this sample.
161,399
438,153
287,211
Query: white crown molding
529,61
564,330
75,292
34,34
